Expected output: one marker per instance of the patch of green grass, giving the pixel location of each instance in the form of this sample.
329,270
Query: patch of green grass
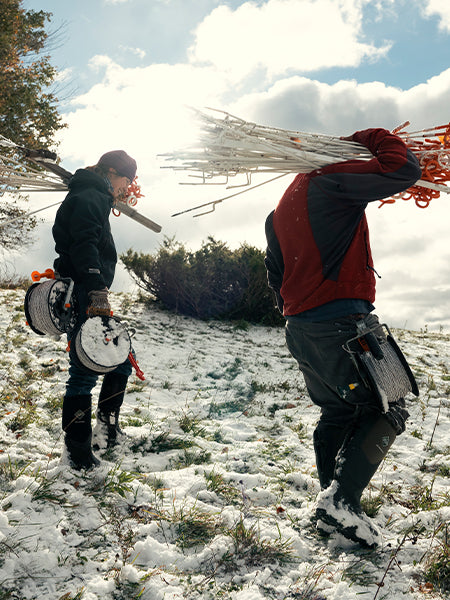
155,483
137,420
275,449
301,430
253,550
359,573
422,498
215,482
118,481
270,388
437,563
189,458
46,491
372,504
165,441
444,470
17,391
127,590
194,527
190,423
13,470
53,404
25,415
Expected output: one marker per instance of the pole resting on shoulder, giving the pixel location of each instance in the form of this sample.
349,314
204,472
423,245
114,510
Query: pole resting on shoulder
13,178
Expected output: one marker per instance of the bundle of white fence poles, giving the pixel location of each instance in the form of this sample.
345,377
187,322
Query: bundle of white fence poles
14,176
229,147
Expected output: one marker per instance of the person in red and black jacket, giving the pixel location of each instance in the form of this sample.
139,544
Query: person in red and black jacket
319,264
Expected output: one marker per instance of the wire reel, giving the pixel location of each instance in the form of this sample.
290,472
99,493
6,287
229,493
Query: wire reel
101,344
50,307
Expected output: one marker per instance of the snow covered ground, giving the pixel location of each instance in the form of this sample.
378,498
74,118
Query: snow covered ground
212,492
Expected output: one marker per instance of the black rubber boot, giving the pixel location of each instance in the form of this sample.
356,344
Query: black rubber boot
328,440
76,424
109,404
339,505
80,453
361,456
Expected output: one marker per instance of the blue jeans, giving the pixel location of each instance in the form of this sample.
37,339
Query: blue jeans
81,381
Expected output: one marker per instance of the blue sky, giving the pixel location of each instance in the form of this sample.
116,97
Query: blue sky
129,68
138,32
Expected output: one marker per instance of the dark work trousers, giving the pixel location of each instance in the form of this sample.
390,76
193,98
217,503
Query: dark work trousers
81,381
328,370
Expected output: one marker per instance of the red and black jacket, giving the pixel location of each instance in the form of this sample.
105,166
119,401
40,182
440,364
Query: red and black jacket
318,240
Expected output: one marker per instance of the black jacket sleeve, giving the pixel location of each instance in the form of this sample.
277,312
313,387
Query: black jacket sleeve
274,262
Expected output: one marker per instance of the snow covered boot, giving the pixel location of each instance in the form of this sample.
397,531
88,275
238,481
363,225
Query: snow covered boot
338,507
76,424
107,431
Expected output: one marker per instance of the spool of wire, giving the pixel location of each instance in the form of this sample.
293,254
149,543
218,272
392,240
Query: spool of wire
101,344
46,310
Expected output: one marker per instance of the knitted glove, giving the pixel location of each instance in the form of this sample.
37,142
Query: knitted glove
397,415
98,303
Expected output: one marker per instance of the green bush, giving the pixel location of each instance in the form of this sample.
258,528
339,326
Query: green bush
212,282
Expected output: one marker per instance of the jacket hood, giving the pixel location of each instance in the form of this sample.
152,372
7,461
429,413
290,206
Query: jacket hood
83,178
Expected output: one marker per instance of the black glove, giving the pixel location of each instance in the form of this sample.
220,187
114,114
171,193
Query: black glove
99,304
397,415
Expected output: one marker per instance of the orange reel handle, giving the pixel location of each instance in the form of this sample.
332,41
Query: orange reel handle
139,373
48,273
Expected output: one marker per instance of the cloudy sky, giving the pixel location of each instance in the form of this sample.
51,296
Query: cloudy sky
129,68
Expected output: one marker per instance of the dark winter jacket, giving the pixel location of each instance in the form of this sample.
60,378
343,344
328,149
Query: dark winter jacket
318,240
82,232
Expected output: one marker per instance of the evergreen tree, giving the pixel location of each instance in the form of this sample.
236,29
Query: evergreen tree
28,109
212,282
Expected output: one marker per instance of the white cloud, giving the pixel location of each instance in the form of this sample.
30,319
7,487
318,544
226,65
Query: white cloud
441,8
308,105
136,51
280,36
141,107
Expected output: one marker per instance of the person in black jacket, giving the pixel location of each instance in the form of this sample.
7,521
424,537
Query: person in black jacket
320,266
87,254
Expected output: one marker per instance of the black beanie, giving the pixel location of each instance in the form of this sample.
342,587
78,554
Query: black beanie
119,160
